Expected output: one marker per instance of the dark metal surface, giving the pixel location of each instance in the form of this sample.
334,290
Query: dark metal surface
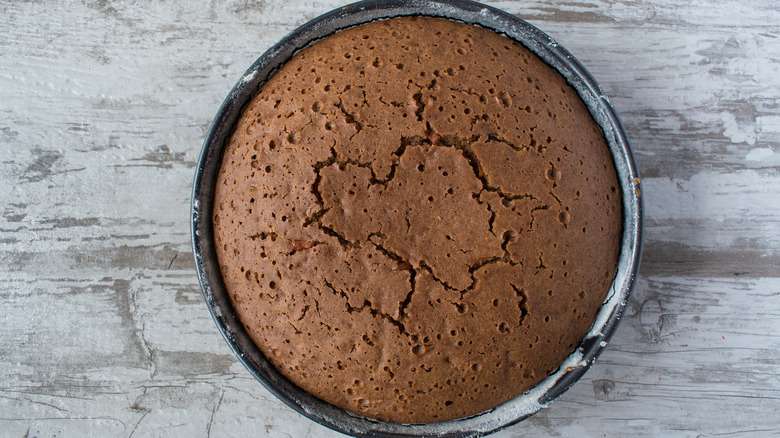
548,50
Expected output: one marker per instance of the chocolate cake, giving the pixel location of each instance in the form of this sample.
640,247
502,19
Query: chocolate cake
417,219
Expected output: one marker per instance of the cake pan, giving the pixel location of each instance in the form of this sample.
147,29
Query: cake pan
215,294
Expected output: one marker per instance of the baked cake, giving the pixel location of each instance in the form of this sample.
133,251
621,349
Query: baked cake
417,219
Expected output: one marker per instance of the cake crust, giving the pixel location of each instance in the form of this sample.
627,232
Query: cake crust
416,219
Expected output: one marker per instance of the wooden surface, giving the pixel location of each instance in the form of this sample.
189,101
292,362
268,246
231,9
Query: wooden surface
104,106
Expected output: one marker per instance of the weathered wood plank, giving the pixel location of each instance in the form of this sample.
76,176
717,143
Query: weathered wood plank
104,107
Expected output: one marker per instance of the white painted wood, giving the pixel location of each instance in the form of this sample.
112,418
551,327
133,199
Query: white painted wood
103,109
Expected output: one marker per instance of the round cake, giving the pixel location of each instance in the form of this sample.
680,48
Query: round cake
417,219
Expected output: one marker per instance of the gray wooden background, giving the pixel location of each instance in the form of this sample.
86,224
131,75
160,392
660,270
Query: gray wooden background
104,106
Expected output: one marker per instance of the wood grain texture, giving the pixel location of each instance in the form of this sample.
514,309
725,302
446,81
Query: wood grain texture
103,110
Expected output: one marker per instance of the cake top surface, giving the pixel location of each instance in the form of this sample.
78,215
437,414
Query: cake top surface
416,219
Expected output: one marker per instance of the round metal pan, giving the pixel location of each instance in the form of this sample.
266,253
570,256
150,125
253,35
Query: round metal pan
474,13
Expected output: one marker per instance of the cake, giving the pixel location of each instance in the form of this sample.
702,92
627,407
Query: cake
416,219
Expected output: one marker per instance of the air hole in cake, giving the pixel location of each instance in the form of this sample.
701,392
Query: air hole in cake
510,236
505,99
